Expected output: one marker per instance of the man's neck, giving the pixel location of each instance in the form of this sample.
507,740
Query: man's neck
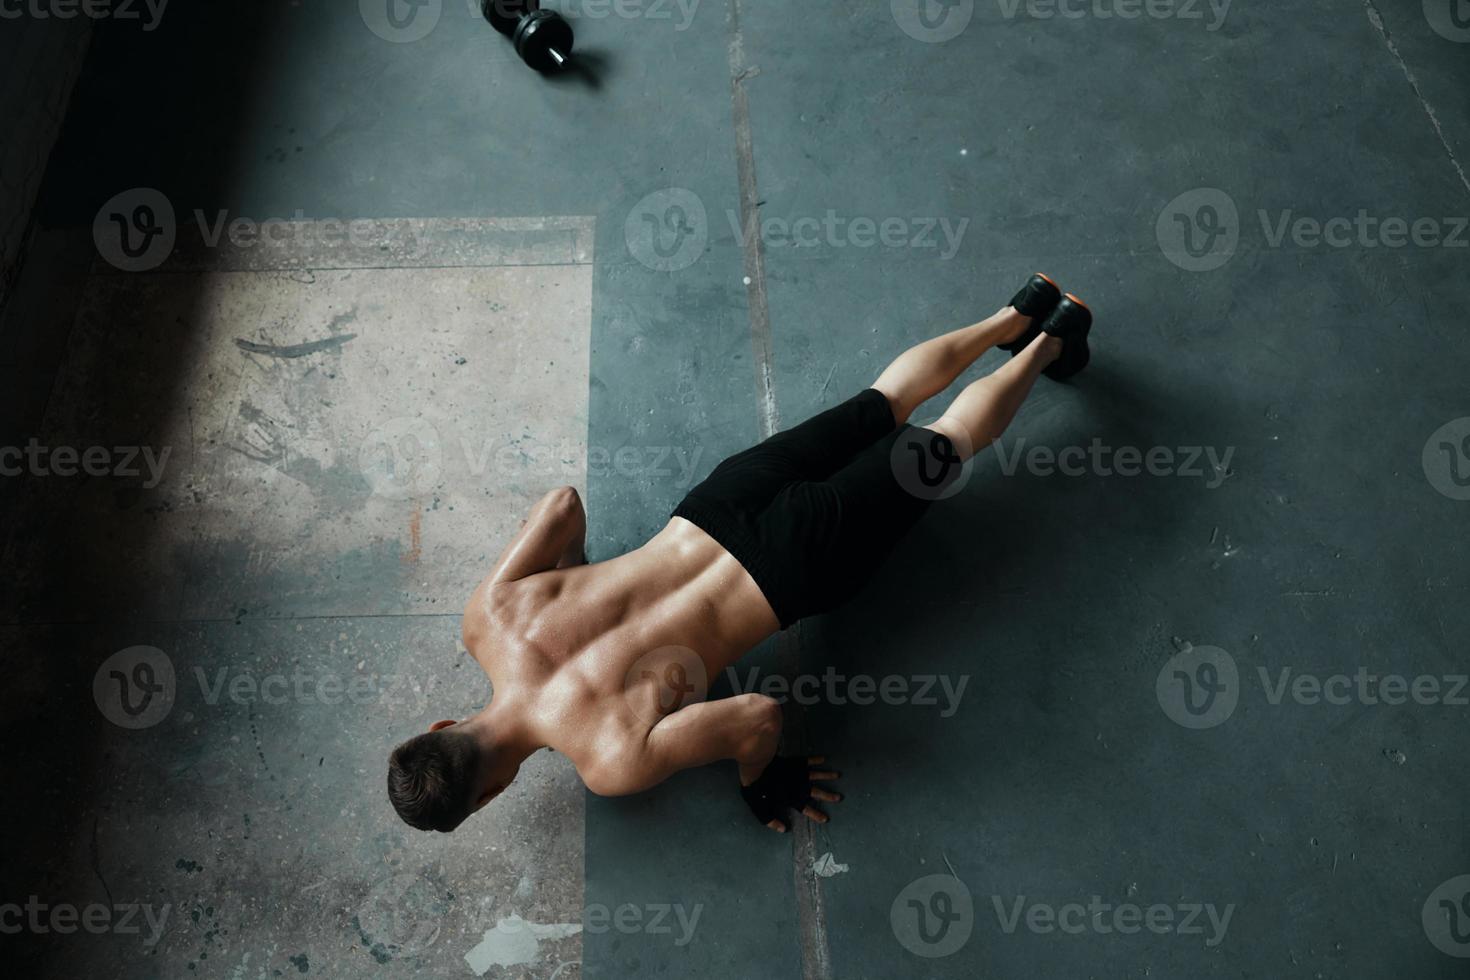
504,728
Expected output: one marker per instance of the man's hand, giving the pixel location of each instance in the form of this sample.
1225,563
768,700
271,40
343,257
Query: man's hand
786,784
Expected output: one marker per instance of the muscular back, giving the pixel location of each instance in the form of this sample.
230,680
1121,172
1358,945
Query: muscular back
560,643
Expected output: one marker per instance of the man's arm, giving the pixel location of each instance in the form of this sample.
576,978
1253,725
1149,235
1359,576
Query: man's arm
554,536
747,729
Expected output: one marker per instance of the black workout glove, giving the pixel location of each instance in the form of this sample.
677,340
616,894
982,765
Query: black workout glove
786,784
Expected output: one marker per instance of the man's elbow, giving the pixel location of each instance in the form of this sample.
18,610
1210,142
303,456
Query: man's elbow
765,716
563,502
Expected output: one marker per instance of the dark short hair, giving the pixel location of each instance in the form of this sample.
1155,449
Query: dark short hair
430,779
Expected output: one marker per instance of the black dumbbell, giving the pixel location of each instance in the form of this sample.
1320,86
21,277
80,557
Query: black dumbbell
543,38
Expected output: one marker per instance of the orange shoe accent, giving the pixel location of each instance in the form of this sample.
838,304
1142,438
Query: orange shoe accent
1050,280
1073,298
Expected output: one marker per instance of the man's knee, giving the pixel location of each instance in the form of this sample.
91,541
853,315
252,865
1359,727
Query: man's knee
958,434
896,403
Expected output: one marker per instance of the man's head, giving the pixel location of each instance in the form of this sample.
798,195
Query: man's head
437,779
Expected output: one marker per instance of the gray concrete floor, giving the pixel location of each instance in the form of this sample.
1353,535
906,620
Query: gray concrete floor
557,269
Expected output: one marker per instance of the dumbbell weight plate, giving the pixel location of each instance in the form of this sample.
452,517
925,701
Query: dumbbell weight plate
505,15
544,39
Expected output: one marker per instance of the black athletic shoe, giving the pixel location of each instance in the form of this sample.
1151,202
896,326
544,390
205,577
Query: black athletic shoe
1036,299
1071,322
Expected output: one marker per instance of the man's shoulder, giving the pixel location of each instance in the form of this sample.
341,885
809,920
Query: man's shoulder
615,770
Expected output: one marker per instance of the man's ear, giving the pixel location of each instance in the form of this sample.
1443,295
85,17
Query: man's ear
440,724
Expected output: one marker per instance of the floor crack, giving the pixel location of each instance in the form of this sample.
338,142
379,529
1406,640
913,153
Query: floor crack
1376,19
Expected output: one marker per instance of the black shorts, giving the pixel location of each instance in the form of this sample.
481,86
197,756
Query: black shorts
812,511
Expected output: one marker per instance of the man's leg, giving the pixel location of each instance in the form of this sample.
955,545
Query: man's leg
924,371
983,410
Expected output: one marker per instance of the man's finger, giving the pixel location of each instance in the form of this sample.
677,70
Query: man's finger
826,796
777,826
823,774
812,813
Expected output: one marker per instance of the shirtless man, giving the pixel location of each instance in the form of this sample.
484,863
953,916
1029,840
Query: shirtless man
606,663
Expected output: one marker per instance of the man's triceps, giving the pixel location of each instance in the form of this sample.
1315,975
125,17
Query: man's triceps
746,728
